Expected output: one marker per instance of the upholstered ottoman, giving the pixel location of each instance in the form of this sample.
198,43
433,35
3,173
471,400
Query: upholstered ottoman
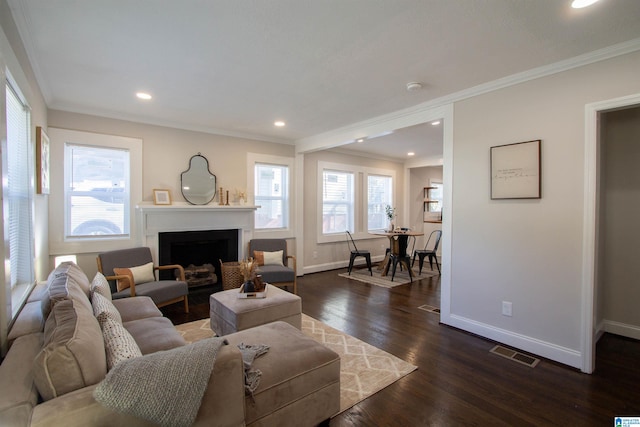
300,378
231,314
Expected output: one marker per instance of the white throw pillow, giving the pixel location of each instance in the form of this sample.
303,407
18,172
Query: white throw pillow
273,258
100,285
143,273
102,305
119,345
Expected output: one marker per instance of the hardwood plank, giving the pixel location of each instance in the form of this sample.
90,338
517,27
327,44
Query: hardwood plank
458,381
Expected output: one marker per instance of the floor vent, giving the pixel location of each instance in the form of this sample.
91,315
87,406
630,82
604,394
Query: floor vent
430,309
515,356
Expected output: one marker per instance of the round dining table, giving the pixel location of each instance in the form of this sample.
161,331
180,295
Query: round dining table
398,241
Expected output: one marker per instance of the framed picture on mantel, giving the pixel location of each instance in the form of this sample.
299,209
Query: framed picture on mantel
515,171
161,197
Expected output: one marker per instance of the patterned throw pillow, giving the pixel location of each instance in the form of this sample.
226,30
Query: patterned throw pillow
100,285
139,274
118,343
101,305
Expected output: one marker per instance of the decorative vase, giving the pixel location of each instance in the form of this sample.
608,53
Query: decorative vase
249,286
391,227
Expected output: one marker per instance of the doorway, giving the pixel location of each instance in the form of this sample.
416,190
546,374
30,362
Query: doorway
612,189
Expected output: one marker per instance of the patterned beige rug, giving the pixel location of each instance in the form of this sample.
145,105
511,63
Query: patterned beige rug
364,369
401,277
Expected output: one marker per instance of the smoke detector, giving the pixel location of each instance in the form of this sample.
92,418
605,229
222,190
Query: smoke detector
414,86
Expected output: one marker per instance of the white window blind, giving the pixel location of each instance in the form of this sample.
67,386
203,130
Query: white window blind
338,196
19,197
97,187
379,195
271,189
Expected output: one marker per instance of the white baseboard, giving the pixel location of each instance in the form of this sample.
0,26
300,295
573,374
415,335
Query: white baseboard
359,262
531,345
626,330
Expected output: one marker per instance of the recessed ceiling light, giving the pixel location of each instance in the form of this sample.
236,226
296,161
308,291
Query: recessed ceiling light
411,153
413,86
579,4
436,123
360,140
279,123
143,95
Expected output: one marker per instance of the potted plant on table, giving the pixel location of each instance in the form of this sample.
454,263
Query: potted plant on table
391,213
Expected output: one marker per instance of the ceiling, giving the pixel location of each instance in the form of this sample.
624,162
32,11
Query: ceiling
234,67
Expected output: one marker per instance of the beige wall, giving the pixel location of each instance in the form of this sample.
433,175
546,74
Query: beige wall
166,154
323,256
619,232
528,252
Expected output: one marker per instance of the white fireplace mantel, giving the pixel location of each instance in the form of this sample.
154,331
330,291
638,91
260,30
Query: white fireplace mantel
181,216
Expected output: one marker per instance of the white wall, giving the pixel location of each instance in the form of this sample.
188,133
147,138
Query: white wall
418,179
528,252
619,232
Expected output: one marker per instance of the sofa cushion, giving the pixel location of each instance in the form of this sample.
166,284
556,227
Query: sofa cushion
68,281
103,306
294,367
100,285
154,334
19,394
135,308
73,354
118,342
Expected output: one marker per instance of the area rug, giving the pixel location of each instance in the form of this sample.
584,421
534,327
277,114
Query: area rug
364,369
401,277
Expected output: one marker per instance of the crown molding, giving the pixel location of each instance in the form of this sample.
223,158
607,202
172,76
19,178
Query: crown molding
169,124
429,110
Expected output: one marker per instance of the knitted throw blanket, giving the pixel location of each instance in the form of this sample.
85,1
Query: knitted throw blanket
164,387
251,376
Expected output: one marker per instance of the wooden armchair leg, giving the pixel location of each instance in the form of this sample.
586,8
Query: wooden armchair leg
186,304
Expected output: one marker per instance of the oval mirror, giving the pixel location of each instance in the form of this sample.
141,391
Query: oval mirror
198,185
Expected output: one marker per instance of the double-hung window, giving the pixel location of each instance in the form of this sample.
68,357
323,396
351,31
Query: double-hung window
271,193
97,188
338,197
352,198
18,194
379,195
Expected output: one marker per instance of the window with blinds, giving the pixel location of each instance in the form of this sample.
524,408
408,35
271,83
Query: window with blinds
379,195
337,201
18,196
272,195
97,187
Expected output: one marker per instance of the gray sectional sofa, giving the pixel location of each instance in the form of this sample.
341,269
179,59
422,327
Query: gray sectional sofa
60,354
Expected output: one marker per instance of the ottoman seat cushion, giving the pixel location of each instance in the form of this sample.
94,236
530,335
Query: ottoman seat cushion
295,367
231,314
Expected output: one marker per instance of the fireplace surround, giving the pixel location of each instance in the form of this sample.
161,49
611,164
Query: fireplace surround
182,217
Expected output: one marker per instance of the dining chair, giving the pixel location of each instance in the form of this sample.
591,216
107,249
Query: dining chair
398,255
355,253
430,249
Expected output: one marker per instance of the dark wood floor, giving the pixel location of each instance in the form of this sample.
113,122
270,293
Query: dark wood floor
458,381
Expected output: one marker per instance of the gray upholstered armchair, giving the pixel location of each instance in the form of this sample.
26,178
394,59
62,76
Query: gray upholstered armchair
274,271
131,273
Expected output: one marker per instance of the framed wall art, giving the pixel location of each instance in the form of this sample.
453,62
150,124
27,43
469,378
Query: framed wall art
161,197
42,161
515,171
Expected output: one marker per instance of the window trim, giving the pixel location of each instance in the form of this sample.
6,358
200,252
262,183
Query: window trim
289,162
361,174
58,243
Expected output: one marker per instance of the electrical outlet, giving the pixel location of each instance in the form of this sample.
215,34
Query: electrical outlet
506,308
